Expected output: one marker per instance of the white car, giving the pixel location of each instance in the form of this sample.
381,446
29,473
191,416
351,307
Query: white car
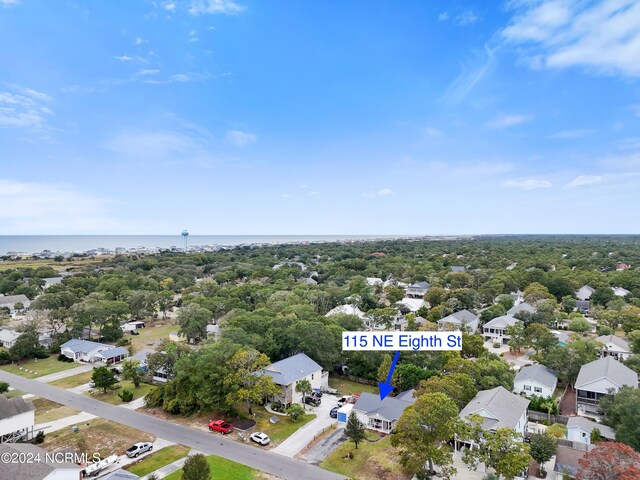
260,438
139,448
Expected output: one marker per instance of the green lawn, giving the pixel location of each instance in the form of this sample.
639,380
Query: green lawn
223,469
371,461
74,381
150,334
48,411
44,366
158,459
347,387
14,393
281,430
112,395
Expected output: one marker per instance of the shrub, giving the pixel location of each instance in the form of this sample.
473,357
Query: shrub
4,357
496,344
126,395
4,387
295,412
39,437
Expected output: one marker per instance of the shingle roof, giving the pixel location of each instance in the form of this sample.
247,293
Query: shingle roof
84,346
114,352
504,408
141,356
567,460
390,408
12,299
617,341
457,269
291,369
7,335
588,425
501,322
10,407
458,317
421,285
346,310
607,367
538,373
521,307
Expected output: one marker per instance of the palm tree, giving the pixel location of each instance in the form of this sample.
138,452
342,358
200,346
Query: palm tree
303,387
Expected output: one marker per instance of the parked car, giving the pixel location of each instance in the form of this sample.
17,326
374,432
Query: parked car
220,426
334,412
343,400
277,407
260,438
134,332
138,448
316,394
312,401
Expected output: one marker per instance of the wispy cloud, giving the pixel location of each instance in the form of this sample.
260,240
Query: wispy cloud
239,138
169,6
527,184
471,75
466,17
193,36
150,144
433,132
571,134
443,17
583,180
508,120
9,3
482,169
383,192
139,41
600,36
223,7
28,109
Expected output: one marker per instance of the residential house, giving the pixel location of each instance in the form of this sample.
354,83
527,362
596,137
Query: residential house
596,379
563,337
39,467
373,281
496,329
49,281
579,430
521,307
615,347
417,289
536,380
411,304
346,310
213,331
622,266
455,269
10,301
379,415
499,408
8,337
401,323
460,320
82,350
567,462
620,292
17,418
159,375
288,372
585,292
111,355
583,306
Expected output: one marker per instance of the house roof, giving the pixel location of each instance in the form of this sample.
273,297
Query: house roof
521,307
121,475
346,310
420,285
582,304
567,460
589,425
141,356
621,292
413,304
77,345
457,269
538,373
501,322
7,335
10,407
39,469
289,370
617,341
609,368
113,352
501,408
11,299
458,317
390,408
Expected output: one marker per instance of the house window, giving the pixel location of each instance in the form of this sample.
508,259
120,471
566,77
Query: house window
312,376
527,388
537,389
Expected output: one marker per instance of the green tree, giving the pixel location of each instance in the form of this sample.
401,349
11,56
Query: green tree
634,341
409,375
4,387
382,316
622,412
568,303
460,387
103,378
422,433
630,318
518,336
193,320
383,370
355,430
196,468
394,293
131,371
633,362
595,436
304,387
295,412
580,325
244,380
543,448
602,296
540,337
472,346
506,301
494,311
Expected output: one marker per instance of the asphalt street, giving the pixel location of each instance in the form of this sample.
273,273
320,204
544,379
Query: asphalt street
210,443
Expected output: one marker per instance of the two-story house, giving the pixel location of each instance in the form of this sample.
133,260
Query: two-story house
496,329
535,380
596,379
460,320
615,347
417,289
288,372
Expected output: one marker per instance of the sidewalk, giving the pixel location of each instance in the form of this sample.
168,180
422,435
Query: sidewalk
64,374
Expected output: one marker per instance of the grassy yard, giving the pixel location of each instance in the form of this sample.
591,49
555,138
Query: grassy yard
14,393
74,381
371,461
112,395
281,430
48,411
347,387
99,436
223,469
158,459
44,366
150,335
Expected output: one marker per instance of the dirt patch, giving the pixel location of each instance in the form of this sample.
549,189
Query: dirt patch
242,423
568,402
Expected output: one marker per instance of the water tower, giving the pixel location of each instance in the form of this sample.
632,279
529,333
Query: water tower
185,234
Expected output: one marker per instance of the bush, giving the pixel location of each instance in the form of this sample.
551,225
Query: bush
126,395
123,342
39,437
539,404
4,357
295,412
558,430
62,358
496,344
4,387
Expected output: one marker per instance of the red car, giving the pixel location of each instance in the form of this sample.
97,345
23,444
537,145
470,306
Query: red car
220,426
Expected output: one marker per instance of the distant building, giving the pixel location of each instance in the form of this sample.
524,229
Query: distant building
288,372
8,337
91,352
621,266
615,347
346,310
521,307
10,301
496,329
417,289
411,304
535,380
579,430
585,292
462,319
457,269
620,292
132,325
596,379
17,418
567,462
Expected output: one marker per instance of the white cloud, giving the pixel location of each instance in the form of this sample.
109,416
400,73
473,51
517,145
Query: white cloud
443,17
383,192
481,169
571,134
470,76
9,3
139,41
600,36
224,7
124,58
27,109
147,71
193,36
151,144
506,121
466,17
240,138
433,132
527,184
582,180
169,6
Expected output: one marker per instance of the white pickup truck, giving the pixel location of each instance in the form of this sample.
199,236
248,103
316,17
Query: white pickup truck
93,469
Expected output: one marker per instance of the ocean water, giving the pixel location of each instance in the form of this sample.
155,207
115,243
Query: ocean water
81,243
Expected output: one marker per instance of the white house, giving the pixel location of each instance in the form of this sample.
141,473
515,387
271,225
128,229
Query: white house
496,329
579,430
376,414
411,304
535,380
373,281
159,375
346,310
620,292
8,338
499,408
615,347
82,350
41,466
585,292
132,325
463,319
596,379
17,418
10,301
111,355
288,372
417,289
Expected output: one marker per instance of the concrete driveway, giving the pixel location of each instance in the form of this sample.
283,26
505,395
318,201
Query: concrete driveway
324,447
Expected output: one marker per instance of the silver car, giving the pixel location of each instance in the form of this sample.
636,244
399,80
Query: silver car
139,448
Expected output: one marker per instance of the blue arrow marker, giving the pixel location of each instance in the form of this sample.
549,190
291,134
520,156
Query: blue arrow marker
385,387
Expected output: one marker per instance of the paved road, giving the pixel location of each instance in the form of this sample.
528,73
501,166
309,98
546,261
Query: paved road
206,442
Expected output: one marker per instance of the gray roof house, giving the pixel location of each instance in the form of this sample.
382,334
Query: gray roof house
8,338
579,430
567,460
41,468
17,418
613,346
459,319
112,355
521,307
286,373
456,269
11,300
83,350
496,329
585,292
120,474
382,415
417,289
535,380
499,409
597,378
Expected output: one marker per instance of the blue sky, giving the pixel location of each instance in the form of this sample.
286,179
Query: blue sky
333,117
